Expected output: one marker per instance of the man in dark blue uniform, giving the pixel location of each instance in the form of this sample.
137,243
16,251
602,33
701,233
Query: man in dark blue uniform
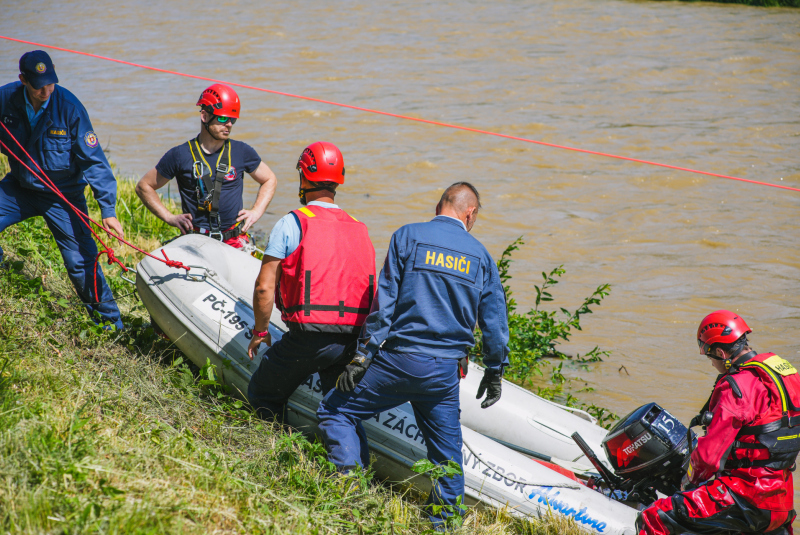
437,283
53,126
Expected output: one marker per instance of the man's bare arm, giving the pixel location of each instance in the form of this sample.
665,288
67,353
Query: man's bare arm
269,183
146,190
263,301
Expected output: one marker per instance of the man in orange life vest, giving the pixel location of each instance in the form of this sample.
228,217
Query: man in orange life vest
210,174
319,270
750,447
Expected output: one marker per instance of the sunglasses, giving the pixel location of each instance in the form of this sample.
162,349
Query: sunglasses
221,119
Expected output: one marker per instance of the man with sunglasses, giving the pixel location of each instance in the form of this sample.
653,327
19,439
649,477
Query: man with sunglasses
740,476
210,175
54,127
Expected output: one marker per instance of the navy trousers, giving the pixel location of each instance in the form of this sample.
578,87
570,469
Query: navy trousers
74,240
289,362
431,384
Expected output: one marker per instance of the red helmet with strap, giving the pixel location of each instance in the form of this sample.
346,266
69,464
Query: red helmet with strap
720,327
220,99
322,162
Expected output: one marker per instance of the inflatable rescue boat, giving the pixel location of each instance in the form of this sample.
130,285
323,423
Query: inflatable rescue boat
208,314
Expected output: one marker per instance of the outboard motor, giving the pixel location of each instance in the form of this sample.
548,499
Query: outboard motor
649,451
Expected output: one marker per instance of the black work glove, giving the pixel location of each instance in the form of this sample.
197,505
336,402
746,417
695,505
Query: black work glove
492,384
463,367
353,373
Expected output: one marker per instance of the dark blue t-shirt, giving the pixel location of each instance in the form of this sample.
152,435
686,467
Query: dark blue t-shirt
178,163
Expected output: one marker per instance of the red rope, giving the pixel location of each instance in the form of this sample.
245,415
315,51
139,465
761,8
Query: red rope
85,219
405,117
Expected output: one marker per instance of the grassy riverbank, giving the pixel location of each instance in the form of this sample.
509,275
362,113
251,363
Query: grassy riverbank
112,432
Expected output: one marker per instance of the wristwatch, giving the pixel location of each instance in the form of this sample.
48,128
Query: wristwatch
260,334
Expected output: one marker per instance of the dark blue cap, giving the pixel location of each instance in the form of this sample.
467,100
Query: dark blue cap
38,69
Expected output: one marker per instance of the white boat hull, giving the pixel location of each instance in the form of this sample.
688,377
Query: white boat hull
208,315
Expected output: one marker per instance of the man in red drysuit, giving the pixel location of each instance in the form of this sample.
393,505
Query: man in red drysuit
750,445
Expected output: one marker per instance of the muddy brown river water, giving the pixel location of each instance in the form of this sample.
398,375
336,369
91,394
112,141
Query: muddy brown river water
710,86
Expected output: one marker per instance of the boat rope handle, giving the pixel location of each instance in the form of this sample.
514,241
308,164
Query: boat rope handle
522,481
404,117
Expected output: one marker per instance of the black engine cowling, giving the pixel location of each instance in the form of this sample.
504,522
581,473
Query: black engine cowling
648,449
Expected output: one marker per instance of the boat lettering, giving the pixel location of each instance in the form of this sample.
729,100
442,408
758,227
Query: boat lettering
401,427
475,461
389,419
486,470
315,387
498,473
229,317
469,458
494,471
548,496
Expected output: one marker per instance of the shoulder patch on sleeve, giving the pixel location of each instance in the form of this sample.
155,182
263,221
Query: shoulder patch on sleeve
90,138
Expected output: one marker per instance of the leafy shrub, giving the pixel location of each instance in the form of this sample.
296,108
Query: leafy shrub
535,335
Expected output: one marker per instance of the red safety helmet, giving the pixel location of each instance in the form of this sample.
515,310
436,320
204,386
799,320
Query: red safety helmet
322,162
720,327
220,99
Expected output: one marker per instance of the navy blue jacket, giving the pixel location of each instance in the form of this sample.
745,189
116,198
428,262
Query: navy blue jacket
436,285
63,143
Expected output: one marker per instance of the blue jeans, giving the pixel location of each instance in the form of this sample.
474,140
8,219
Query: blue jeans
74,240
430,384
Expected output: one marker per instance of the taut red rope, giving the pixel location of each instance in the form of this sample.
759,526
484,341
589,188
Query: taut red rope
405,117
85,219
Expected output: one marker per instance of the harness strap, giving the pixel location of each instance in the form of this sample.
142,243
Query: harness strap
785,421
786,464
786,400
232,232
307,307
748,446
208,190
327,308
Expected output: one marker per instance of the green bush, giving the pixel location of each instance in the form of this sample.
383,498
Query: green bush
535,335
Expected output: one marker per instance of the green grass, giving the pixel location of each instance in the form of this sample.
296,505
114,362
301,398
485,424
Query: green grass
106,432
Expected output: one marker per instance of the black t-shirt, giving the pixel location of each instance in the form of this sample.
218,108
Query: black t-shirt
178,163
